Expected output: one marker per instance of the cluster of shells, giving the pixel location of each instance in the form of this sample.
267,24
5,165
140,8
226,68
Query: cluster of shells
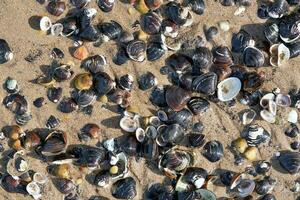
168,138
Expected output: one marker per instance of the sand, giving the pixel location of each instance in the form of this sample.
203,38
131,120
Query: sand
221,123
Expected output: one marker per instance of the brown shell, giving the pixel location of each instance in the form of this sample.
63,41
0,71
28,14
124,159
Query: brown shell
55,143
14,132
32,140
92,130
177,98
56,8
83,81
223,72
81,53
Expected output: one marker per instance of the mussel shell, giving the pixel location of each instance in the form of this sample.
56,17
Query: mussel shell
263,167
202,59
147,81
288,28
62,73
195,176
290,161
255,135
126,82
70,26
56,8
197,6
103,83
179,62
52,122
149,149
227,2
16,103
121,56
292,131
294,49
112,30
90,34
136,50
177,98
271,33
54,94
150,23
65,186
183,117
186,80
67,105
278,8
175,12
227,177
80,3
198,105
120,97
240,41
265,185
55,143
88,156
106,5
102,179
171,135
213,151
95,64
155,51
10,184
5,52
205,83
158,191
124,188
23,119
169,28
222,56
252,81
253,57
158,96
196,140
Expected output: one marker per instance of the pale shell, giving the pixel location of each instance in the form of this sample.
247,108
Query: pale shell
279,54
229,88
140,134
248,117
57,29
293,116
45,23
268,116
128,124
264,101
34,190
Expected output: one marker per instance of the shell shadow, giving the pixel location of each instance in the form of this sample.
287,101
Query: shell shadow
276,165
34,22
111,122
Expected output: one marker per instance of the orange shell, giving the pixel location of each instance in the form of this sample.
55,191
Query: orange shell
81,53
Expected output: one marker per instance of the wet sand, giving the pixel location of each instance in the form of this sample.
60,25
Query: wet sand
221,123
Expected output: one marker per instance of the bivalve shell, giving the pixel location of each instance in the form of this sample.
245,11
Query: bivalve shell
229,88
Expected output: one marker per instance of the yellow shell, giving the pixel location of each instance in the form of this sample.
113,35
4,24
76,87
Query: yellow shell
79,181
240,144
103,99
251,153
15,132
63,171
141,6
142,35
132,109
16,145
81,53
114,169
83,81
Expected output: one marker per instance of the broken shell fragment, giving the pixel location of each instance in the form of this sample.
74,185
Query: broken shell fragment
128,124
34,190
229,88
293,116
248,117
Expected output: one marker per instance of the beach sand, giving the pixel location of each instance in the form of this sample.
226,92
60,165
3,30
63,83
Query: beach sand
221,123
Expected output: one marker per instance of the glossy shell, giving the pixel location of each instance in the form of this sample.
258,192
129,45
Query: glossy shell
45,23
63,73
110,30
198,105
280,54
80,3
155,51
265,185
205,83
52,122
240,41
16,103
67,105
103,83
177,98
150,23
88,156
158,97
136,50
213,151
255,135
55,143
147,81
290,161
229,88
106,5
202,58
95,64
129,124
81,53
124,188
197,6
54,94
56,8
179,62
170,135
253,57
271,33
126,82
222,56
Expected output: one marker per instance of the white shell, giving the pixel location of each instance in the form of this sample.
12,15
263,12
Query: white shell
109,144
45,23
268,116
224,25
264,101
279,54
128,124
248,117
229,88
57,29
272,108
40,178
293,116
283,100
11,167
240,10
34,190
154,121
122,157
140,134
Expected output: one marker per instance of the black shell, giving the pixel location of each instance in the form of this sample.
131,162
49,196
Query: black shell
186,80
227,177
54,94
101,178
103,84
5,52
70,26
177,98
182,117
170,135
124,188
295,145
263,167
196,140
157,96
173,11
52,122
88,156
292,131
211,33
265,185
112,30
278,8
288,27
85,17
192,174
136,50
197,6
16,103
179,62
23,119
293,2
227,2
79,3
56,8
67,105
205,83
90,34
121,56
252,82
159,191
147,81
175,160
198,105
262,11
268,197
149,149
271,33
243,2
222,56
294,49
85,97
94,64
55,143
240,41
253,57
125,82
63,73
57,53
255,135
65,186
39,102
10,184
290,161
202,59
155,51
213,151
150,23
106,5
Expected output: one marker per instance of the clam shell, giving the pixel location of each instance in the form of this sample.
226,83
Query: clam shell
248,117
177,98
81,53
170,135
40,178
278,8
16,103
103,83
289,30
213,151
222,56
290,161
268,116
198,105
54,94
155,51
55,143
106,5
88,156
245,187
45,23
293,116
63,73
279,54
102,179
255,135
158,97
205,83
150,23
129,124
197,6
124,188
136,50
147,81
294,49
265,186
110,30
18,165
56,8
13,184
229,88
292,131
264,101
179,62
202,58
169,28
241,40
253,57
140,134
85,98
65,186
34,190
126,82
80,3
52,122
56,29
271,33
263,167
283,100
67,105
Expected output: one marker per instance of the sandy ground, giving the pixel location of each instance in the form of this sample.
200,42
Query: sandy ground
226,126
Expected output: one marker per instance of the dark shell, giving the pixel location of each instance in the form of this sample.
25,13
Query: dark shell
57,53
103,84
290,161
186,80
183,117
227,177
238,71
54,94
16,103
294,49
65,186
205,83
222,56
252,82
91,130
84,98
268,197
227,2
23,119
39,102
295,145
106,5
278,8
170,135
55,143
288,27
124,188
197,6
262,11
147,81
271,33
130,145
169,28
136,50
196,140
155,51
126,82
56,8
243,2
198,105
52,122
240,41
194,174
63,73
98,198
88,156
198,127
175,160
85,17
121,56
126,37
158,97
202,59
263,167
67,105
102,179
150,23
177,98
12,185
253,57
293,2
70,26
79,3
265,185
149,149
179,62
90,34
112,30
120,97
245,187
5,52
213,151
211,33
174,12
95,64
292,131
255,135
159,191
221,71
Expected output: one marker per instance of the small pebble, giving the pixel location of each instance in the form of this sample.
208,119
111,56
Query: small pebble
39,102
2,136
57,53
224,25
240,11
295,145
